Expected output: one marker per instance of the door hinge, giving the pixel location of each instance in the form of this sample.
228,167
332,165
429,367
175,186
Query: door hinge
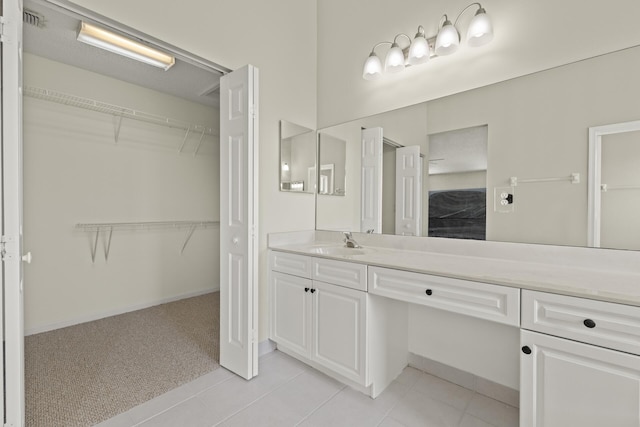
253,111
254,335
7,249
3,32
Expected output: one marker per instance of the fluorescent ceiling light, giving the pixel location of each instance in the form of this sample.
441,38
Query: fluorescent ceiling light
107,40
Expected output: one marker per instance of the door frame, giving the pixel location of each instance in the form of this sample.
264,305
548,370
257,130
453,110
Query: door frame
11,310
595,174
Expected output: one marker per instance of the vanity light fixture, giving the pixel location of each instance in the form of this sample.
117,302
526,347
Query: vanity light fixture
108,40
446,42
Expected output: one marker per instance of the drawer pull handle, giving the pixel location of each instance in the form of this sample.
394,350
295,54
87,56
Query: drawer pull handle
589,323
306,289
313,290
526,349
429,292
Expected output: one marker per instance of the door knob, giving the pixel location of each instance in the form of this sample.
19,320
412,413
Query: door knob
235,240
27,257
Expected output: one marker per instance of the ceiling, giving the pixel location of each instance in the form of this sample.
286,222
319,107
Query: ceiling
55,39
458,151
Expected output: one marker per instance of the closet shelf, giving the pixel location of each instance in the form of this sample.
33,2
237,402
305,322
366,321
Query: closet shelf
109,227
117,111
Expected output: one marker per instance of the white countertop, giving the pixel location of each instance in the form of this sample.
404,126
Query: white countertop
610,285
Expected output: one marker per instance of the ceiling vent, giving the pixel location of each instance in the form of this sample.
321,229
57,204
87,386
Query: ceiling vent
32,18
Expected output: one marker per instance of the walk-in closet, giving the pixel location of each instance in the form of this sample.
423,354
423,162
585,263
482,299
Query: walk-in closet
121,216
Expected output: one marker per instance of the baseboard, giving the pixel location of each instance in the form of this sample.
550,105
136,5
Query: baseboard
266,347
465,379
114,312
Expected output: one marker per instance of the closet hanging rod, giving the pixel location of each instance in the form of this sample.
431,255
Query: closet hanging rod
146,224
115,110
107,228
574,178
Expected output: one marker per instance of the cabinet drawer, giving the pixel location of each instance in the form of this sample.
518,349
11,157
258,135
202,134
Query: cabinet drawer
491,302
606,324
340,273
298,265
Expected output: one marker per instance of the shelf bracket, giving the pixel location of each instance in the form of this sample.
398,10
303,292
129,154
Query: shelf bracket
117,124
107,245
184,140
195,153
187,238
94,245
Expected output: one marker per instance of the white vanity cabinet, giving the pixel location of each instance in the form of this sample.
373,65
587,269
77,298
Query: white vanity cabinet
324,321
564,382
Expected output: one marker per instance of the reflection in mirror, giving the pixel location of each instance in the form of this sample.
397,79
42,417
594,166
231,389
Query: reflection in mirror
537,131
333,153
457,183
614,186
297,158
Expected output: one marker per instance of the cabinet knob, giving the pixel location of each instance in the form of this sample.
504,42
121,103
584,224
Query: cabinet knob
526,349
429,292
306,289
313,290
589,323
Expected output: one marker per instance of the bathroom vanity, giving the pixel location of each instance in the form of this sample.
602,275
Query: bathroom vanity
344,311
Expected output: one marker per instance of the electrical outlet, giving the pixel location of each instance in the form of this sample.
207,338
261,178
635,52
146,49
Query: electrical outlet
503,199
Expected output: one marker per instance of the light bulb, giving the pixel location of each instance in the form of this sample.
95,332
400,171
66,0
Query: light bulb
419,51
448,39
372,67
480,30
394,62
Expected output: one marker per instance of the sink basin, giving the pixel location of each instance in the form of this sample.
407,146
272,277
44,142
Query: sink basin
339,251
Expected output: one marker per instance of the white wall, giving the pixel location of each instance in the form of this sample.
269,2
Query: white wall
74,172
303,157
279,37
486,349
525,41
457,181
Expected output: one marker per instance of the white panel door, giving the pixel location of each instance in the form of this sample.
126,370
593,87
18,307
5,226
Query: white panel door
371,203
291,312
12,310
408,191
339,330
238,221
566,383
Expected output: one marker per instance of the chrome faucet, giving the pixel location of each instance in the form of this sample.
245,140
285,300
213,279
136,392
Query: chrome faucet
348,240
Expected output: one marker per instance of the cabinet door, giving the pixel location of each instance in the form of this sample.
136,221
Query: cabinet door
291,312
339,326
566,383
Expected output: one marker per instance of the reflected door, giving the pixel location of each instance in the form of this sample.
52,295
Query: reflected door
614,186
408,191
371,202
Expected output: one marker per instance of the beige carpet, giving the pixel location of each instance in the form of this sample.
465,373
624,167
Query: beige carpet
85,374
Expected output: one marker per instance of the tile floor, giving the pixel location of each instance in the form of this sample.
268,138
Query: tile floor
289,393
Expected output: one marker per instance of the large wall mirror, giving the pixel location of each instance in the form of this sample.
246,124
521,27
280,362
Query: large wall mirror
523,153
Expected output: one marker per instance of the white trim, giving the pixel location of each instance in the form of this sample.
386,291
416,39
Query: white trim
595,174
115,312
